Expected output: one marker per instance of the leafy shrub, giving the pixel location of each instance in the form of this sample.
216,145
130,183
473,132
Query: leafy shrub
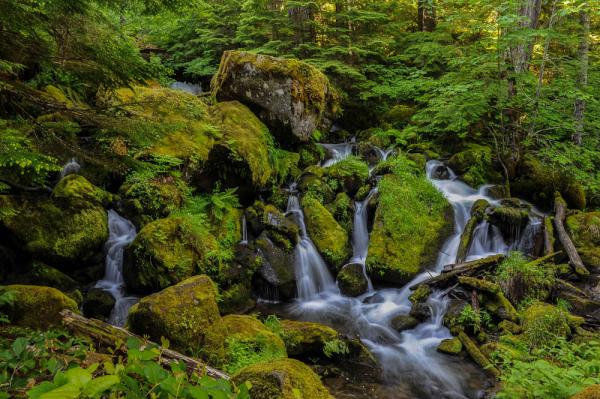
522,280
243,353
474,319
6,298
335,347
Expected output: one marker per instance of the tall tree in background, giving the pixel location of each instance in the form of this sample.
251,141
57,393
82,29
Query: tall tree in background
426,15
583,55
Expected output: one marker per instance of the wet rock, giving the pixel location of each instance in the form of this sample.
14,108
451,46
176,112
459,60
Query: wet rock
277,266
348,175
293,98
237,299
352,280
306,339
375,298
282,379
98,304
186,314
261,216
451,346
36,307
441,172
474,165
404,322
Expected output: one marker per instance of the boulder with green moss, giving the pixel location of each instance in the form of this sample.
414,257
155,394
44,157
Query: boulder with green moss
186,314
411,223
261,216
451,346
348,175
290,96
584,229
67,230
474,165
246,341
238,298
282,379
36,306
98,304
166,252
329,237
276,270
543,324
304,339
352,280
316,186
342,209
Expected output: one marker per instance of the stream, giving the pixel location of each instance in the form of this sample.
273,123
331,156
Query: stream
412,367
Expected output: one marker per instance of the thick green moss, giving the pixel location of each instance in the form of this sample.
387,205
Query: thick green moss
246,137
282,379
329,237
306,339
42,274
451,346
584,229
348,175
186,314
475,165
352,280
36,306
543,324
246,341
166,252
412,220
342,209
77,190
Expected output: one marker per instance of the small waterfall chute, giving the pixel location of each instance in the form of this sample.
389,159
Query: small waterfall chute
70,168
337,152
244,231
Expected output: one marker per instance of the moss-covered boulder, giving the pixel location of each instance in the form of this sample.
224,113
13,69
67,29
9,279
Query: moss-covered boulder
36,306
348,175
591,392
276,271
411,222
584,229
544,323
238,298
304,339
451,346
246,341
329,237
404,322
67,230
474,164
261,216
98,304
352,280
48,276
290,96
316,186
166,252
186,314
282,379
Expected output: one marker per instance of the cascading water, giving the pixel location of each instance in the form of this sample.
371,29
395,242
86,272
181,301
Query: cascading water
191,88
338,152
244,231
360,234
121,233
70,168
383,154
408,357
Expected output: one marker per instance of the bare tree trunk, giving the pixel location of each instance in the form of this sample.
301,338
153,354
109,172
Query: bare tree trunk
426,15
583,53
560,209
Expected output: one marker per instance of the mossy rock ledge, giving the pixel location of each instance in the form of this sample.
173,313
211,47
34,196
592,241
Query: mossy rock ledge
36,306
290,96
282,379
186,314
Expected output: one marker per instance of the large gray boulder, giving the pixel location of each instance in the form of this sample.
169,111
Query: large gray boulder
290,96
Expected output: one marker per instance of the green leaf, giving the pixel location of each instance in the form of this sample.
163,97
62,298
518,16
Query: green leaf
99,385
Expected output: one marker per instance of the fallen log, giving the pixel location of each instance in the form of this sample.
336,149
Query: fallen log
560,210
505,309
106,335
477,356
451,271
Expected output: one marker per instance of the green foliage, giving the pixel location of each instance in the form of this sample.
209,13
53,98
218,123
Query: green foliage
273,323
7,298
475,320
523,280
244,352
335,347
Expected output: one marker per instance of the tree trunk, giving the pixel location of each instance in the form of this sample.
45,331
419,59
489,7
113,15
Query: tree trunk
560,209
520,54
107,336
426,15
583,55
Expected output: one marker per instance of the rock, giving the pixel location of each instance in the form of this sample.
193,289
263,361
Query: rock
452,316
352,280
348,175
282,379
98,304
246,341
47,276
477,356
277,266
591,392
328,236
36,307
261,216
342,210
293,98
237,299
510,220
317,187
166,252
584,229
186,314
404,322
508,326
306,339
375,298
399,115
440,172
474,164
451,346
411,223
67,231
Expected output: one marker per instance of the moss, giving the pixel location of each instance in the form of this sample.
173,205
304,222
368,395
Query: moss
404,322
304,339
475,165
584,229
246,137
57,231
451,346
316,187
329,237
352,280
399,115
57,94
421,294
236,299
411,222
166,252
465,239
543,324
477,356
342,210
42,274
282,379
497,304
186,314
261,216
509,327
77,190
246,341
36,306
591,392
348,175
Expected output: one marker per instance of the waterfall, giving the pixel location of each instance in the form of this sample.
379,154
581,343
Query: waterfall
70,168
244,231
191,88
337,152
312,275
121,233
360,235
383,154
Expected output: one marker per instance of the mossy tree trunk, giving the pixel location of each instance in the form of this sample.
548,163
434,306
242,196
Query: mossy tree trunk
560,209
583,55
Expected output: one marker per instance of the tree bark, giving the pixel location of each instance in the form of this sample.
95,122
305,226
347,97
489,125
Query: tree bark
520,54
426,15
583,55
560,209
107,336
548,236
